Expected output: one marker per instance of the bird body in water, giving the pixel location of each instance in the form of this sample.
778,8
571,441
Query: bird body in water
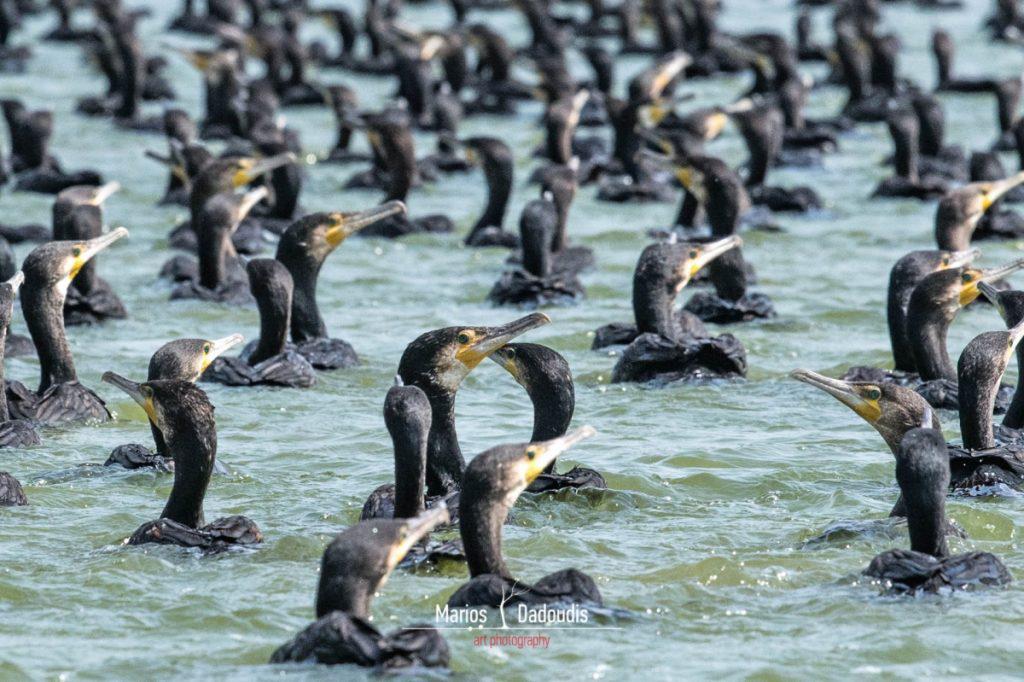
909,181
933,305
493,481
664,344
14,433
271,362
49,270
178,360
922,470
78,216
546,376
436,362
184,415
536,283
303,248
354,567
36,170
495,158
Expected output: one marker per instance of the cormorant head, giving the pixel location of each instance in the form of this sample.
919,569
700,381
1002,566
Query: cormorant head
187,359
953,288
55,264
175,407
1010,304
440,359
676,263
498,476
961,209
86,194
650,84
226,211
407,410
484,149
712,181
246,169
179,126
536,368
984,359
891,409
8,292
359,560
315,236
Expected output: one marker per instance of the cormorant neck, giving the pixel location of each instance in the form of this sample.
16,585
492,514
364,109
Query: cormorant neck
927,327
977,393
480,522
275,317
401,163
193,454
43,310
1014,417
306,321
926,520
410,472
553,406
896,315
905,156
351,594
652,307
498,173
213,250
445,464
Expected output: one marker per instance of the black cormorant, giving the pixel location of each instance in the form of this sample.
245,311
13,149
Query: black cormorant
354,567
184,415
14,433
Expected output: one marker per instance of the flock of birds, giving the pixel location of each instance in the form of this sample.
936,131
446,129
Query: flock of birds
237,171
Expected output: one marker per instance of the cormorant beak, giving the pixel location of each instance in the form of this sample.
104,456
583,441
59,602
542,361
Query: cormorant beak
214,349
199,60
430,47
540,455
969,287
480,344
667,73
176,168
16,281
958,259
86,250
415,529
992,294
867,407
714,125
578,102
654,113
992,191
700,256
344,225
140,393
253,168
103,192
248,201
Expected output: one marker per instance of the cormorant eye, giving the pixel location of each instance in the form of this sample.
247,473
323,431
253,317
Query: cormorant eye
945,260
874,394
966,277
463,338
694,253
76,252
206,349
530,454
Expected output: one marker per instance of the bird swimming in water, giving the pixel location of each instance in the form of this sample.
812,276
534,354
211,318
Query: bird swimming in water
354,567
36,170
184,415
178,360
1010,305
961,210
49,270
493,481
933,305
303,248
904,276
536,283
666,345
272,362
14,433
220,274
436,362
78,216
909,182
922,470
495,159
546,376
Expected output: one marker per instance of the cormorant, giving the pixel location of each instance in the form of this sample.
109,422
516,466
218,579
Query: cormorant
178,360
944,49
1010,305
36,170
436,362
495,158
184,415
49,270
78,216
960,210
493,481
536,283
271,362
303,248
546,376
220,274
354,567
922,470
908,182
